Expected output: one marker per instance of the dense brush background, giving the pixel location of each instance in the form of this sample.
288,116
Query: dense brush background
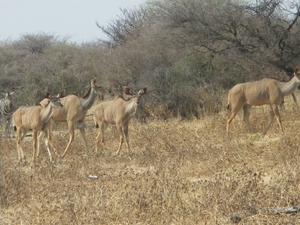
183,168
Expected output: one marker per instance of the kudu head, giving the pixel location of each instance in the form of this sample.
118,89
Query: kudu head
297,73
60,95
46,101
137,95
54,100
97,89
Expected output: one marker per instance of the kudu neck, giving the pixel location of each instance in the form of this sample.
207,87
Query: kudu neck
88,102
47,112
290,86
131,105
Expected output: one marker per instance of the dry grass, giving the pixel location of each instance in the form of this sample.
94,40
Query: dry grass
178,172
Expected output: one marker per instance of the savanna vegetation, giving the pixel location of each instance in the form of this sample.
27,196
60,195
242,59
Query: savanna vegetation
182,168
187,52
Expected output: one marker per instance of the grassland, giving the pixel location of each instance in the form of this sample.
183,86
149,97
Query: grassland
177,172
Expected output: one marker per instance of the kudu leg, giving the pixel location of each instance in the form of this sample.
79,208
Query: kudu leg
48,149
48,140
278,117
71,132
35,142
38,144
247,109
121,134
19,148
82,132
98,141
49,137
295,101
230,117
271,112
52,145
41,134
101,133
125,130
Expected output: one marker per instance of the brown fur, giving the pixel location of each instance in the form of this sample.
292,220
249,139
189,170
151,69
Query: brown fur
87,93
74,111
35,118
117,112
267,91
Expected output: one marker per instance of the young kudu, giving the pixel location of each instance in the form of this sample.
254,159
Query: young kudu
117,112
267,91
37,119
74,111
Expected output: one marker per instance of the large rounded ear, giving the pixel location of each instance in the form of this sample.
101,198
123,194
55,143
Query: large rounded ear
47,95
128,91
296,70
93,82
145,90
61,94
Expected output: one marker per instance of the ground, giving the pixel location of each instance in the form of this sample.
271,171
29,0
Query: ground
177,172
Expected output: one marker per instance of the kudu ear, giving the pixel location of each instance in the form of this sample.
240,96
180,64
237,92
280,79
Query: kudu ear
47,95
128,91
296,70
61,94
93,82
145,90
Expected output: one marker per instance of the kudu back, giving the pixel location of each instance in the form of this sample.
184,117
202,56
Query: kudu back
37,119
117,112
74,111
267,91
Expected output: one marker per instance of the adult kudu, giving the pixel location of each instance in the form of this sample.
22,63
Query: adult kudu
263,92
37,119
74,111
117,112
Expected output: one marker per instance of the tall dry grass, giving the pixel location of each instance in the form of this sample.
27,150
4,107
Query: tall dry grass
178,172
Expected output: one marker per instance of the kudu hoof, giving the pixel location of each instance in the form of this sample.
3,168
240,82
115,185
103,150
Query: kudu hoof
22,163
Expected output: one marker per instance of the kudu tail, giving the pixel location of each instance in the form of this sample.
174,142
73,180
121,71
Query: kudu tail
228,106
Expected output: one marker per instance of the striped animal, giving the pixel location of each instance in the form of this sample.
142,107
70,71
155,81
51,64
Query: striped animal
6,110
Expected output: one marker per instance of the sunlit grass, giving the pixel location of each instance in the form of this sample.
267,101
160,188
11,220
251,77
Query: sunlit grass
177,172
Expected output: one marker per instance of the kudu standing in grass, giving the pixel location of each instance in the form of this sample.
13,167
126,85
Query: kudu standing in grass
267,91
117,112
37,119
74,111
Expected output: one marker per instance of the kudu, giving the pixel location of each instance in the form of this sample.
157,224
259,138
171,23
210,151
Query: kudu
74,111
117,112
263,92
37,119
